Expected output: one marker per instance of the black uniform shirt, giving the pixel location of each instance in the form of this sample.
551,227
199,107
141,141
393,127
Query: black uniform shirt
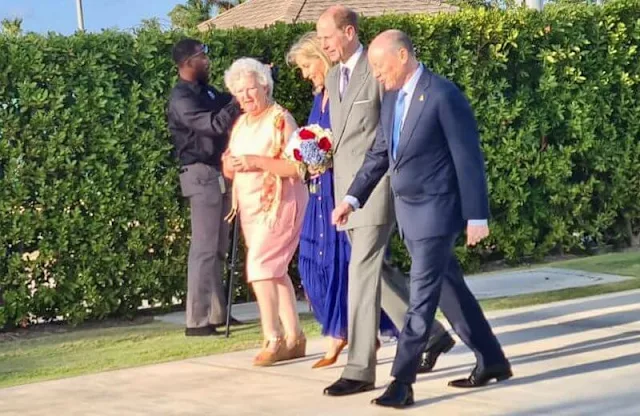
200,119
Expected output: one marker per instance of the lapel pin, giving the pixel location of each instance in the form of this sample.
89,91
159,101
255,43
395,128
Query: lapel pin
421,98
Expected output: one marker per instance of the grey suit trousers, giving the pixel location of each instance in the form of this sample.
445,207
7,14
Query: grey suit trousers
206,190
374,283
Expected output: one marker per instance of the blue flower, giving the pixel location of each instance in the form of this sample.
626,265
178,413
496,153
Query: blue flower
311,153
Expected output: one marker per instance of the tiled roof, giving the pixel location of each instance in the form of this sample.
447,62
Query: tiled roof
261,13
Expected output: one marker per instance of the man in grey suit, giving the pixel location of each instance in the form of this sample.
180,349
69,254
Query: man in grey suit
428,140
200,118
354,97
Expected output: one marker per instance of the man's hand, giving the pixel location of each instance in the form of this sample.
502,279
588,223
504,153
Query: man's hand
341,213
476,233
246,163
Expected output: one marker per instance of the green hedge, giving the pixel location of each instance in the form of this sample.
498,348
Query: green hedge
91,221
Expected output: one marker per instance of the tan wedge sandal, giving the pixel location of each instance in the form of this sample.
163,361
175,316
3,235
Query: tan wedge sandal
269,355
297,350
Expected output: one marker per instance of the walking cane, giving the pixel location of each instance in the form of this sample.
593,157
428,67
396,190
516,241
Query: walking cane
232,270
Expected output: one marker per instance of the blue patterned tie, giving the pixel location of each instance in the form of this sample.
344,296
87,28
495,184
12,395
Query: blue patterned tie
397,122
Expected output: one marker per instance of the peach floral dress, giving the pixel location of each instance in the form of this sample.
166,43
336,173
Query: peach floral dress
271,208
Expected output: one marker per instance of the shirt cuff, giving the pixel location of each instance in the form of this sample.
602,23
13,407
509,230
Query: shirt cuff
353,201
478,223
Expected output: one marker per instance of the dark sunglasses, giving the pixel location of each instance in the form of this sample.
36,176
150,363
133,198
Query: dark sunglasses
204,50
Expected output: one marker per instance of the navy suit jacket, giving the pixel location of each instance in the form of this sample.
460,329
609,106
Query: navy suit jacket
438,178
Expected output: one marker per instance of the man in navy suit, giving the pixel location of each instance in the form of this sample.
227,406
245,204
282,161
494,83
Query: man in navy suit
427,140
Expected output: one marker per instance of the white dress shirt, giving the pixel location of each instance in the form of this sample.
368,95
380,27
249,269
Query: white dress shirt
351,65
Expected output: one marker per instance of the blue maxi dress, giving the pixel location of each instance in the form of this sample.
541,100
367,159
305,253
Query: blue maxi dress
323,258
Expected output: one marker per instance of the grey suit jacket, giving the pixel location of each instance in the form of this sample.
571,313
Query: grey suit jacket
354,121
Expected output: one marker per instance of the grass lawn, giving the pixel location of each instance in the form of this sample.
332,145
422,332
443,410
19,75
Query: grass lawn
67,353
58,352
624,264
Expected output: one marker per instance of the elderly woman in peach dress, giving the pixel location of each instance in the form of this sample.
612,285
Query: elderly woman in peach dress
270,199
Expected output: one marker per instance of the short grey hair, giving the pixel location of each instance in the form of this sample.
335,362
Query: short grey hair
244,67
399,40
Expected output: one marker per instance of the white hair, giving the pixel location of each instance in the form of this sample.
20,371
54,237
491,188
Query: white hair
244,67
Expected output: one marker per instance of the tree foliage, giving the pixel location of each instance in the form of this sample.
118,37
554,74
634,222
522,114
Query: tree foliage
194,12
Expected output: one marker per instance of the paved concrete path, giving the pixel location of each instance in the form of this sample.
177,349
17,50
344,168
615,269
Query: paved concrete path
484,286
577,357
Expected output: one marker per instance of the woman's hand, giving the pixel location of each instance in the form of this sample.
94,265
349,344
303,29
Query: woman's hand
226,157
246,163
313,174
227,169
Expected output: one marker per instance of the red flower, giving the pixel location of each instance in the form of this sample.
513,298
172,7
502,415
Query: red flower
307,134
324,144
297,155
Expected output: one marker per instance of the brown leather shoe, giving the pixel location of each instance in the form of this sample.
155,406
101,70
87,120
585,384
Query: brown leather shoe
331,360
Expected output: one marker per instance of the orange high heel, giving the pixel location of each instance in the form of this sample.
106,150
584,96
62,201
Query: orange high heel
327,361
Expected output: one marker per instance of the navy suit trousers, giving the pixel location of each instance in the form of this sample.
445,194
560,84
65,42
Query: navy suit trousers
436,279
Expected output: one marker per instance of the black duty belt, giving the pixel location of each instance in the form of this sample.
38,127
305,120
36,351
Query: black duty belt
184,169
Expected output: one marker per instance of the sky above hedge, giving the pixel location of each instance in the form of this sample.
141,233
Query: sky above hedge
43,16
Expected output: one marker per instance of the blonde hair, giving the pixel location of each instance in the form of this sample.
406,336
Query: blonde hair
309,47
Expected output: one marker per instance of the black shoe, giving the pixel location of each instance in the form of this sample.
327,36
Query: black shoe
398,395
202,331
430,356
232,322
345,387
481,378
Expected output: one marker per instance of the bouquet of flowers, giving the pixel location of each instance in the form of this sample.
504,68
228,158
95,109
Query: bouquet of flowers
312,147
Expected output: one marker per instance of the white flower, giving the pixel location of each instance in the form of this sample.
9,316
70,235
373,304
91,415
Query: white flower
33,256
33,287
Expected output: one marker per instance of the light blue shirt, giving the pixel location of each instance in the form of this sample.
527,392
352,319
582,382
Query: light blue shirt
409,88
